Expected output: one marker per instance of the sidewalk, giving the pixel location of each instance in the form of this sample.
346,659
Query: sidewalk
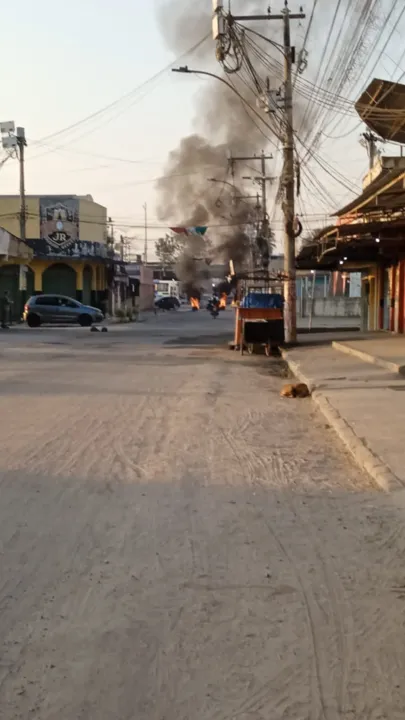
363,403
386,351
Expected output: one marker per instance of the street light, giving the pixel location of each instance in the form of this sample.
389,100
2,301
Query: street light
185,70
223,182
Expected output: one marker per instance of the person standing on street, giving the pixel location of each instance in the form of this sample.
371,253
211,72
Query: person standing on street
6,304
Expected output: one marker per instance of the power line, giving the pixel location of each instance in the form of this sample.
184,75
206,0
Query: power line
374,111
307,33
130,93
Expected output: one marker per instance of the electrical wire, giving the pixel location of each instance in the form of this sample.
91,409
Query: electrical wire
375,112
323,55
341,64
123,98
306,38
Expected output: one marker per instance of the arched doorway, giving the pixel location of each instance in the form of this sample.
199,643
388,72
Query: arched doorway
59,279
10,282
87,282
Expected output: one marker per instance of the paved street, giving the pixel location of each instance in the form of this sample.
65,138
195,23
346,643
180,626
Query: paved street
177,542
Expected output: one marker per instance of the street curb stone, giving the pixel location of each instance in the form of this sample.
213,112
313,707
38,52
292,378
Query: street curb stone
366,357
364,457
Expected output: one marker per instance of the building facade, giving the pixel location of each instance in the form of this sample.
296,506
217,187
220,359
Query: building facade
369,237
14,256
67,238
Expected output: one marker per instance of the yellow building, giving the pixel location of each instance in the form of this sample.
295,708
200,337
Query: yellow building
67,235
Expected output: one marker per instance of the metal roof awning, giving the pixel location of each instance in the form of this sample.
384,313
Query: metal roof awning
360,243
340,255
386,192
12,246
382,108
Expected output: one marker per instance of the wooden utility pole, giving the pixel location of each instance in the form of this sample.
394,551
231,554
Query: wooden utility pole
21,143
262,179
219,29
145,249
371,144
290,291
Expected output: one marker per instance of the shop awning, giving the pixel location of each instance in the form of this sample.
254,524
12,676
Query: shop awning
385,193
382,108
12,247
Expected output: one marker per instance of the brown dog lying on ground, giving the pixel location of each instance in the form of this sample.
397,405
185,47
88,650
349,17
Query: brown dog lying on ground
299,390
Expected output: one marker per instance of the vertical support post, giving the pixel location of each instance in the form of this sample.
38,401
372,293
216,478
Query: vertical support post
21,142
290,318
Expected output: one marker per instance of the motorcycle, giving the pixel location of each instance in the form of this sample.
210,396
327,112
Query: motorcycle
213,308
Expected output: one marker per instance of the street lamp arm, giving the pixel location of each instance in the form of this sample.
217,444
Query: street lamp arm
186,71
222,182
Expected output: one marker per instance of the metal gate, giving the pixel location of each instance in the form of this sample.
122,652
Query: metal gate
59,279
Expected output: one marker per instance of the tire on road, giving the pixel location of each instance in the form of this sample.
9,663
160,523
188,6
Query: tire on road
33,320
85,320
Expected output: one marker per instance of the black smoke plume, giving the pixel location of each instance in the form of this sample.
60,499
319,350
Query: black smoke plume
185,196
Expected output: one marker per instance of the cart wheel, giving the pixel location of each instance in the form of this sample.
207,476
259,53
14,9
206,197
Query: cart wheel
267,350
250,348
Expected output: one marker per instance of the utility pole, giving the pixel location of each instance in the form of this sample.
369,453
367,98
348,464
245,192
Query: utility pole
21,143
264,193
219,25
290,292
13,142
145,251
262,179
371,144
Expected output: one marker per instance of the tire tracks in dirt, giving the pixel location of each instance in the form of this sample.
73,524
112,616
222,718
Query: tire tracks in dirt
325,691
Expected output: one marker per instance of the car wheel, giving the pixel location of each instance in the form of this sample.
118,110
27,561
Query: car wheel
33,321
85,320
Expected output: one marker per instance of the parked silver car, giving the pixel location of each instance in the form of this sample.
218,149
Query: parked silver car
59,310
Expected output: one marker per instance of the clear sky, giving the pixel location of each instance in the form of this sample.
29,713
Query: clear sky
69,60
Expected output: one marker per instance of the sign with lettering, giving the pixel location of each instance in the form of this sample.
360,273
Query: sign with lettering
80,249
59,221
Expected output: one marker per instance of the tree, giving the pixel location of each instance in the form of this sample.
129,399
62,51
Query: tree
168,250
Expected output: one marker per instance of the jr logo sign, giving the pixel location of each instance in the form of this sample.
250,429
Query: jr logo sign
59,221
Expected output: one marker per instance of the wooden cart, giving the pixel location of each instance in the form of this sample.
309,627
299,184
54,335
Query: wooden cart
256,323
270,334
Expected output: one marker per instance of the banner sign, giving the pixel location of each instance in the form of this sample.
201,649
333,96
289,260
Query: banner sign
77,249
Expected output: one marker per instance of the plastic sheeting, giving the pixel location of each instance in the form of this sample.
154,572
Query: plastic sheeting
263,300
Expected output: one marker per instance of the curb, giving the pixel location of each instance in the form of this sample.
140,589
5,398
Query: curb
366,357
365,459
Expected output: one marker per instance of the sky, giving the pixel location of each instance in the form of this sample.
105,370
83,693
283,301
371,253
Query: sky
73,59
69,61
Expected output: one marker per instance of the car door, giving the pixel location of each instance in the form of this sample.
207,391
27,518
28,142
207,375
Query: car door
46,306
69,310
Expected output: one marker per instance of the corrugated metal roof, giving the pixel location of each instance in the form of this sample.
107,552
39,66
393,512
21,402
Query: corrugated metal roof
382,108
387,177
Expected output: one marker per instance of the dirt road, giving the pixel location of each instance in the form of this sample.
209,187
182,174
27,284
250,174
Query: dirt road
179,543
